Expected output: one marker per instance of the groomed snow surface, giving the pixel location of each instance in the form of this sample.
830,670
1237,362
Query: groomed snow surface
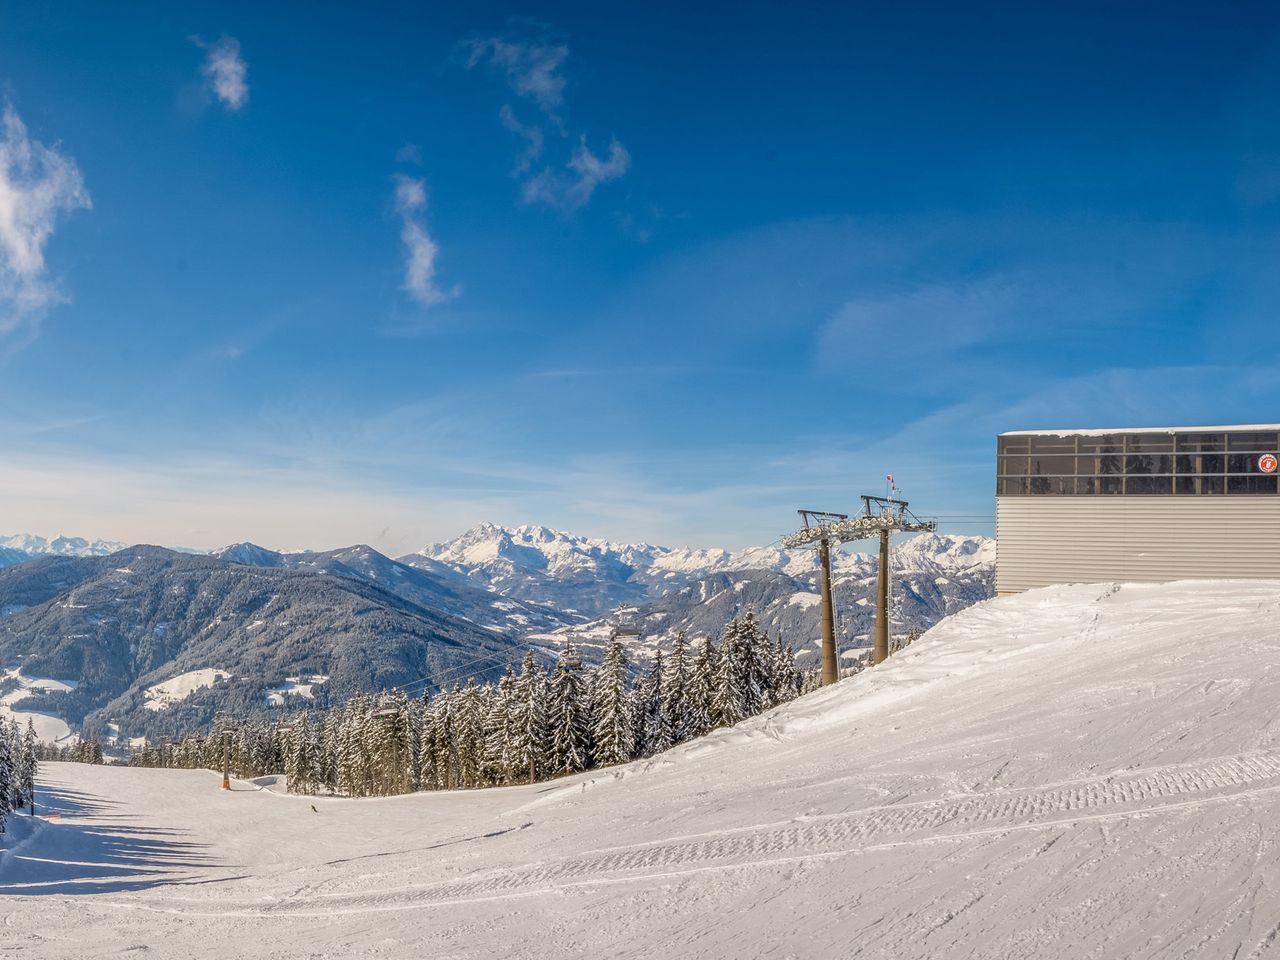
1081,771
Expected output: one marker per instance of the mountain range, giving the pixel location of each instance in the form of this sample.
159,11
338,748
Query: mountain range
151,641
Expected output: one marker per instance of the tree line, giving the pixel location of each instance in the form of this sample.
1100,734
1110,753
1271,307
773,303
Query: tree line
18,764
531,725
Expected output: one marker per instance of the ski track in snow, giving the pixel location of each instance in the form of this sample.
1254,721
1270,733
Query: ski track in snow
949,819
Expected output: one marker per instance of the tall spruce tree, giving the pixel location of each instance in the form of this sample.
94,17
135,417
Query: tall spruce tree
674,705
532,734
646,698
7,771
700,691
570,719
614,730
500,763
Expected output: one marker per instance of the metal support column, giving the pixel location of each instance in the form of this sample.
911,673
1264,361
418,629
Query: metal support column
830,667
881,651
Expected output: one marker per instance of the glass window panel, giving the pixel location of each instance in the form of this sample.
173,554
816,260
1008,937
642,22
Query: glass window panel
1062,486
1053,445
1014,445
1013,486
1086,485
1111,485
1242,463
1185,485
1140,486
1251,485
1052,466
1212,463
1260,442
1110,465
1145,463
1150,443
1086,466
1090,444
1137,465
1185,464
1039,486
1012,466
1211,485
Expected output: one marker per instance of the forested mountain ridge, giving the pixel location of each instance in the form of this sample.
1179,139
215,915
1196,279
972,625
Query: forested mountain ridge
117,626
146,634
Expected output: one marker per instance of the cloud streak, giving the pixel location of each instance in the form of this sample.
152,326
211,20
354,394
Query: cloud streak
225,71
532,68
38,184
571,189
420,249
533,72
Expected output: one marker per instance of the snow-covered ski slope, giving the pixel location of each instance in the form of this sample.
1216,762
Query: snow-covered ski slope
1082,771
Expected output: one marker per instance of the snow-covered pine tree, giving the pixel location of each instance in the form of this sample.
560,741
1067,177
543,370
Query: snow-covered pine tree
674,705
299,752
6,774
646,699
728,695
24,773
700,691
532,735
469,735
353,767
570,732
614,724
498,730
786,678
759,668
386,743
445,755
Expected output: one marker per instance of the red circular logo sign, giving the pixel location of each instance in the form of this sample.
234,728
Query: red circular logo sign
1267,463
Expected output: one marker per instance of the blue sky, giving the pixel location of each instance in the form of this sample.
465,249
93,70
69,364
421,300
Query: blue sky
312,275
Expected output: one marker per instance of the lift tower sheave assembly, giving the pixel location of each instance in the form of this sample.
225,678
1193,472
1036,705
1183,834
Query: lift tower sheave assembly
880,517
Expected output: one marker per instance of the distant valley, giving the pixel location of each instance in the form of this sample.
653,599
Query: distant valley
147,641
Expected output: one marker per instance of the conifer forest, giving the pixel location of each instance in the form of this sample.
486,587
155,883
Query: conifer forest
532,725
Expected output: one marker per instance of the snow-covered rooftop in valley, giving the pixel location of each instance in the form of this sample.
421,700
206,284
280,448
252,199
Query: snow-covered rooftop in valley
1099,432
1078,771
165,694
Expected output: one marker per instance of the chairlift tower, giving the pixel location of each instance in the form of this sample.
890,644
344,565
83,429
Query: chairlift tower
880,517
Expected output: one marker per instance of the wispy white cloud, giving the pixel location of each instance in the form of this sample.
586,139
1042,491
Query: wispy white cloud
532,136
225,71
571,189
420,249
409,153
532,68
37,185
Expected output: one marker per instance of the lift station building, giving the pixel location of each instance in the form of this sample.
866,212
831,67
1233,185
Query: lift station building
1139,505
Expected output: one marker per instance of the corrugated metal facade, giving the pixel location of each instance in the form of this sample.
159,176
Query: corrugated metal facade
1046,540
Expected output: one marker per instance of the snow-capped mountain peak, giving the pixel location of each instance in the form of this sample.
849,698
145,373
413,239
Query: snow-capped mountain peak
34,546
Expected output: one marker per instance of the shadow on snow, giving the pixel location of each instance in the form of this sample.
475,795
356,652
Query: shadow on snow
87,848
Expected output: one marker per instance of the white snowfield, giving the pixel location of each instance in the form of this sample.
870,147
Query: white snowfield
1081,771
161,696
49,728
